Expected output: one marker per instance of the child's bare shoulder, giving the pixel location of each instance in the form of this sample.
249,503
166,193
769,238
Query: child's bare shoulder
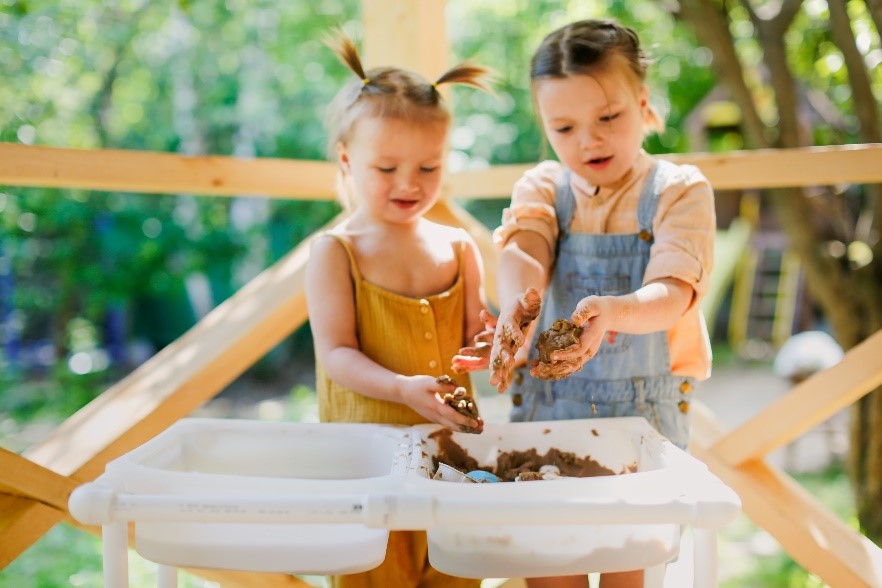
328,247
445,233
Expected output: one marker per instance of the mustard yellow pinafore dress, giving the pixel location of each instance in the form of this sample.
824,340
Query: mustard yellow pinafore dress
409,336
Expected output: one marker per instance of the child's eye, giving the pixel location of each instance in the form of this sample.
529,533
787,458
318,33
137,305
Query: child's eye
610,117
564,129
428,170
386,170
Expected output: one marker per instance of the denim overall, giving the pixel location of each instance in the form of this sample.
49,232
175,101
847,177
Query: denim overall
630,375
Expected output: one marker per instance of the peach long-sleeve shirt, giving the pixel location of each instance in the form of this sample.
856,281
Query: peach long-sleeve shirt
683,230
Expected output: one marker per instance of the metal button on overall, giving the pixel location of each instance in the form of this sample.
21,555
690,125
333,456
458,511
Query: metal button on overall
684,406
517,399
686,387
645,235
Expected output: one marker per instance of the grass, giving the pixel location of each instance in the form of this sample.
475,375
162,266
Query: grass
749,556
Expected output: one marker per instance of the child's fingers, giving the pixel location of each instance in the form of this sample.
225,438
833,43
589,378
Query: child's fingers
488,319
484,338
555,371
450,418
574,351
479,350
465,363
587,309
531,304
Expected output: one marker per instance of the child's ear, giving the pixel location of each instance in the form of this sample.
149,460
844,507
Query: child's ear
343,157
644,100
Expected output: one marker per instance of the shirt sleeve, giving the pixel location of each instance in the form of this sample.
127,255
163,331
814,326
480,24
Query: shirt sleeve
684,232
532,206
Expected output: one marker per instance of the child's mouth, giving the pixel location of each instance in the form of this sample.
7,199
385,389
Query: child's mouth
599,162
406,204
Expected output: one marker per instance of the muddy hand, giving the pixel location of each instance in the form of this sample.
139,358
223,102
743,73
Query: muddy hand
510,336
477,356
592,315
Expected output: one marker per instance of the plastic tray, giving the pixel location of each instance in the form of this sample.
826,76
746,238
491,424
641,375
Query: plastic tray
321,498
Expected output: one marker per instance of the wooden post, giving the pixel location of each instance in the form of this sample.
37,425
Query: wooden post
419,42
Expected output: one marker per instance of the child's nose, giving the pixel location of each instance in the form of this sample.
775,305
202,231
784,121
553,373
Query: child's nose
408,184
592,137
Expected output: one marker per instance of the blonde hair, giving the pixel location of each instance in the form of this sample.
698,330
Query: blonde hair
390,92
588,46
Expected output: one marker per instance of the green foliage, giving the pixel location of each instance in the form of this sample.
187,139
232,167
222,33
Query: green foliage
756,560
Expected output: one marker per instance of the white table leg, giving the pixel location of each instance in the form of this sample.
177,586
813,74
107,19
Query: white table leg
704,549
654,577
116,554
167,577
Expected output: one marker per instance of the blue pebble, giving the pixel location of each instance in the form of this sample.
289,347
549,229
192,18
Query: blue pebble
482,476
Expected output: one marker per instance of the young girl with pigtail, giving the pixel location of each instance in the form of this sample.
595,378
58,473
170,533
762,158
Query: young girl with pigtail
392,296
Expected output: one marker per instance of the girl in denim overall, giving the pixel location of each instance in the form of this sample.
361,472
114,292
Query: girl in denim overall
611,238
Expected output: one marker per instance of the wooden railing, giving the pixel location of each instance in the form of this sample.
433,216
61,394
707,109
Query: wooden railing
196,367
34,486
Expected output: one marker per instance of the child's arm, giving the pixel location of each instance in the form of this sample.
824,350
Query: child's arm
654,307
522,274
331,302
657,306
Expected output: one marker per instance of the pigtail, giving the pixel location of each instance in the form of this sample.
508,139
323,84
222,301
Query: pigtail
345,49
466,73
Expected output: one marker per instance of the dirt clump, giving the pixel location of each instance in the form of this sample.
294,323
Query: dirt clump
517,465
562,334
462,402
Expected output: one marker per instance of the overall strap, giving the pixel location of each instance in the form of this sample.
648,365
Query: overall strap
564,201
656,180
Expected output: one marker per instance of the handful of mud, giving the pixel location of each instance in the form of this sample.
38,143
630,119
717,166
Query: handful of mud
562,334
461,402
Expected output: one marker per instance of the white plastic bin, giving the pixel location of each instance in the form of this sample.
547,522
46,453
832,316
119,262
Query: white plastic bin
321,498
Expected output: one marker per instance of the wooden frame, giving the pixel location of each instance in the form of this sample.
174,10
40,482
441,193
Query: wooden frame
34,487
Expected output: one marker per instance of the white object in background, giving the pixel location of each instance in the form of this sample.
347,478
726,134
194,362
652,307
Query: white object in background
805,353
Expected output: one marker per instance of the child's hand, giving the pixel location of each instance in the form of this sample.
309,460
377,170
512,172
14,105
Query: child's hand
476,357
510,335
595,314
424,395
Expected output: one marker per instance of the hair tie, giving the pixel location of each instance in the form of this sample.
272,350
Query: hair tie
365,81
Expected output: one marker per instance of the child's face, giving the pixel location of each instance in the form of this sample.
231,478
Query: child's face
594,123
395,166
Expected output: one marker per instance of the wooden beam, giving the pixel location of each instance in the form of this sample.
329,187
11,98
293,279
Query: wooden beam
185,374
22,523
164,173
737,170
420,39
808,404
168,173
22,477
781,168
807,531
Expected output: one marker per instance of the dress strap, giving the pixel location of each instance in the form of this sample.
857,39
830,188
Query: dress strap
460,253
347,246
